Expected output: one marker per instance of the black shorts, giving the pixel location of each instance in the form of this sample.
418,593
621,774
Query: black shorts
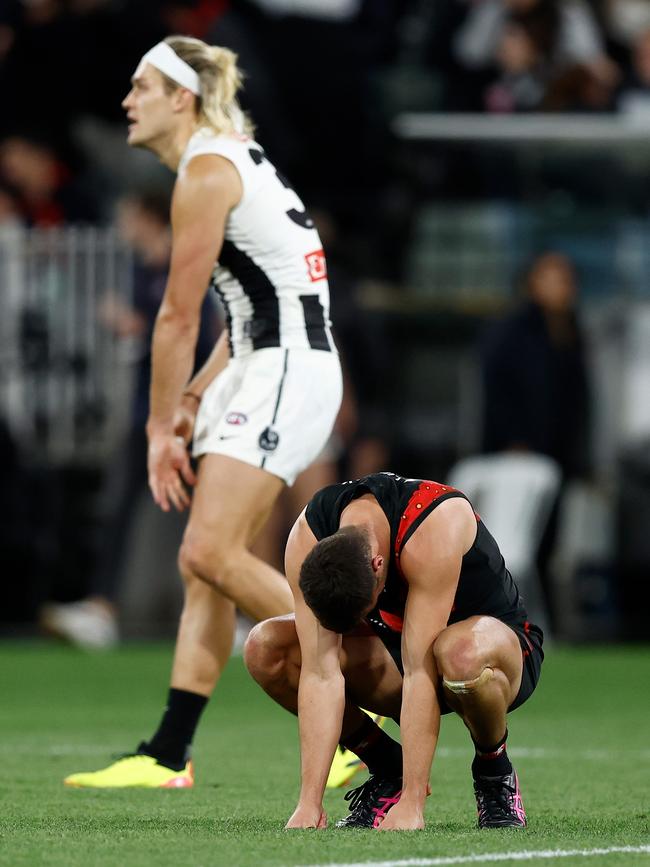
530,638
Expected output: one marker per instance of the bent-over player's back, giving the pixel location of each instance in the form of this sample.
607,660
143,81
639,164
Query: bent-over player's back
485,585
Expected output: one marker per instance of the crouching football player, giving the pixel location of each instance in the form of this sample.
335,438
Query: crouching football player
404,606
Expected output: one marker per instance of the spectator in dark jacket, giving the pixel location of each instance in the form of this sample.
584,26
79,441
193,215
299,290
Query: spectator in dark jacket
535,381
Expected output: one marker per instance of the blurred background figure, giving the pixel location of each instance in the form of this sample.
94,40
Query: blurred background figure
93,621
536,396
10,216
522,45
536,402
523,60
46,190
634,95
567,30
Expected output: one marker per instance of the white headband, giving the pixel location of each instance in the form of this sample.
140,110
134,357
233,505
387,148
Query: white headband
165,59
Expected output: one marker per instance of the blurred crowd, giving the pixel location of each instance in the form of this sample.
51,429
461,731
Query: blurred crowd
543,55
323,82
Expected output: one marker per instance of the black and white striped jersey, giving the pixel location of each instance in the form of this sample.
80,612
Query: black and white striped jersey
271,275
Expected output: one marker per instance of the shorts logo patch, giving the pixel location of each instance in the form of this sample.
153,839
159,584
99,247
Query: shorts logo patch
269,439
316,265
236,418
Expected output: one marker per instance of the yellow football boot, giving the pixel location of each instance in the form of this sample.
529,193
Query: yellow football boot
345,763
134,771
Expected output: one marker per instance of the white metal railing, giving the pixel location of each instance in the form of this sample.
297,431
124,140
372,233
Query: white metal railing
544,128
64,376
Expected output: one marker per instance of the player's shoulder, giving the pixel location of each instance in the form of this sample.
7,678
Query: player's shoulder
234,143
454,508
206,168
208,150
220,159
301,525
300,542
450,527
205,176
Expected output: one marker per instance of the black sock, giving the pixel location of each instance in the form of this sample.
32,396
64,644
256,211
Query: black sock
173,738
376,749
491,761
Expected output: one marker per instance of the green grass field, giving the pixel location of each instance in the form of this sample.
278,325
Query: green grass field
581,746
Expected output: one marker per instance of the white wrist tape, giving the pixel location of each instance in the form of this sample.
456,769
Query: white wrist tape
165,59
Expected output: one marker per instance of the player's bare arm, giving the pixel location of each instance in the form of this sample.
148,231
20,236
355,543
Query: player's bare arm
321,693
185,415
431,563
203,196
215,364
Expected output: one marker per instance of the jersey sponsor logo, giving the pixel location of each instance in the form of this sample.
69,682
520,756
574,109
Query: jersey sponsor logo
237,418
269,439
316,265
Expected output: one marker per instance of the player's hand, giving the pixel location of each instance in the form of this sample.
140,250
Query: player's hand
307,817
185,418
169,466
403,817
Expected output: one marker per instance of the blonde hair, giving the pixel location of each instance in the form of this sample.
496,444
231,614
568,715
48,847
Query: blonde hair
221,79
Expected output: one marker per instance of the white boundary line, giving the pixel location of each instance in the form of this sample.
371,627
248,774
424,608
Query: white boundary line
489,858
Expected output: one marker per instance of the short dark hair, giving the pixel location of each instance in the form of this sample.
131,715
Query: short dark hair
337,579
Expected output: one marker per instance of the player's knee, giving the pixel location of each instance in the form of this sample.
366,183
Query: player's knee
458,659
199,558
265,653
192,560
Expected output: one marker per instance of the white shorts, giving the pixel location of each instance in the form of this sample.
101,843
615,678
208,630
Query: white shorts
274,409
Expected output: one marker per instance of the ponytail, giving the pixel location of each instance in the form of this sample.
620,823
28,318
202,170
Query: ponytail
221,80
